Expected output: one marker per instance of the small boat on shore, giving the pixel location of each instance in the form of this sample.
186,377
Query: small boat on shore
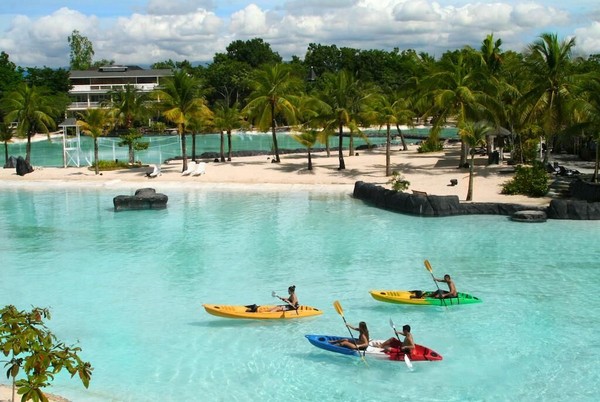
420,353
254,312
421,298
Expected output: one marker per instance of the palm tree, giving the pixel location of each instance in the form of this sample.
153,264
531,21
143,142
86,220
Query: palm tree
342,92
387,109
180,101
473,135
95,123
129,104
274,93
308,139
460,90
33,109
227,118
6,135
589,109
553,82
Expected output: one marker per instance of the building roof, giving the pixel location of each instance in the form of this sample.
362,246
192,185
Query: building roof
120,71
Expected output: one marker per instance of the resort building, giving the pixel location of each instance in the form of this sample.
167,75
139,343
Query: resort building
90,87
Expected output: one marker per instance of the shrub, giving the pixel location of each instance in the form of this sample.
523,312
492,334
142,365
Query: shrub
398,182
531,181
430,146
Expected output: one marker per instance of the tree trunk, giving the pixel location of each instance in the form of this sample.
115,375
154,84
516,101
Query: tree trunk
387,151
229,145
5,151
470,191
96,155
401,134
183,150
340,151
327,148
275,147
28,147
463,154
222,147
351,144
309,160
194,147
131,154
595,176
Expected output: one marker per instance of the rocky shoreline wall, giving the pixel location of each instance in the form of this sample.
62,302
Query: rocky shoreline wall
449,205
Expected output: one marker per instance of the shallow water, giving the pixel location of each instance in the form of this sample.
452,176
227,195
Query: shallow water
129,287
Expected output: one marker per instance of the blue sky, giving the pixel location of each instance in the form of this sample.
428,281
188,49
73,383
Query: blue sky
34,32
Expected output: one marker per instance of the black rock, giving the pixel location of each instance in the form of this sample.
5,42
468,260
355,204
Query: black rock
144,198
23,167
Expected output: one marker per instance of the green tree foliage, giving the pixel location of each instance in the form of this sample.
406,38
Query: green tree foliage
133,139
34,109
180,101
56,80
95,123
226,119
275,92
398,182
36,353
531,181
10,74
82,51
6,134
129,106
254,52
473,134
228,80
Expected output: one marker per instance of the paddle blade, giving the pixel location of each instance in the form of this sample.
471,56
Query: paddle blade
428,266
407,361
338,308
392,324
273,294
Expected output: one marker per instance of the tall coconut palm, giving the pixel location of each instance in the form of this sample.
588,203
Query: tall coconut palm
227,118
180,100
95,123
387,109
473,134
345,97
462,91
589,115
553,83
33,109
274,93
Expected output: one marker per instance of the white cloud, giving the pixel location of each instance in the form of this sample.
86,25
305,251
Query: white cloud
587,39
250,21
197,29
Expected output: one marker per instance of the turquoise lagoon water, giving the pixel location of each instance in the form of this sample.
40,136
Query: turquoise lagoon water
50,153
129,287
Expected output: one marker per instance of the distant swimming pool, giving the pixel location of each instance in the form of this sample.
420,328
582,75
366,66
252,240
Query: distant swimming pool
129,286
50,153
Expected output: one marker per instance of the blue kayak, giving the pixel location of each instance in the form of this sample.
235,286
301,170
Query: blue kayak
420,353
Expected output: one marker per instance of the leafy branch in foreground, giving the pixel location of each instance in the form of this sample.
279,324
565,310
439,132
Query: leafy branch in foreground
33,350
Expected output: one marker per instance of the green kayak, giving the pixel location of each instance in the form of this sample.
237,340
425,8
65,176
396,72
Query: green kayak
419,297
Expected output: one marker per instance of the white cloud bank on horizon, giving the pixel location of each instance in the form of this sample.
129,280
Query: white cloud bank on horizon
193,30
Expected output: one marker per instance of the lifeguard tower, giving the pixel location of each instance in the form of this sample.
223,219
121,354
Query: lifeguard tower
71,142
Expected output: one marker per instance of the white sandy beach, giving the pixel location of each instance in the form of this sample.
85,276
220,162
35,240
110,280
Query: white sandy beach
430,173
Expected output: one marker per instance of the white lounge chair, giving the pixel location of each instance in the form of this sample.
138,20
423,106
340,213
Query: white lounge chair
190,169
155,172
200,169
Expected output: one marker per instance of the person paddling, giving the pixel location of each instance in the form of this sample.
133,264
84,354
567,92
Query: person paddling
406,346
442,294
291,300
363,338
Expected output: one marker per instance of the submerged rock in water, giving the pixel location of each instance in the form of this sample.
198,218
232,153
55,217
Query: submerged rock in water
144,198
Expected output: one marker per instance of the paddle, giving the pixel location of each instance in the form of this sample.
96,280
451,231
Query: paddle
282,299
340,311
428,266
406,359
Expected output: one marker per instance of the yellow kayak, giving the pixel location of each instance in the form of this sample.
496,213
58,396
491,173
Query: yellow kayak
419,297
261,313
